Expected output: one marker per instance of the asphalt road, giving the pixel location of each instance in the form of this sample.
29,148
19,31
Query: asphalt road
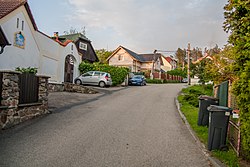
130,127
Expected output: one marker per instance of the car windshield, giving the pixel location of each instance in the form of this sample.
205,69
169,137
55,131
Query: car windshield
137,76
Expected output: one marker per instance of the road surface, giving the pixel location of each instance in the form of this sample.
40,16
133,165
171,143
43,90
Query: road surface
133,127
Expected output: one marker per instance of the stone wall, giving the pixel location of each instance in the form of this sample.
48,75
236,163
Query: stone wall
69,87
11,112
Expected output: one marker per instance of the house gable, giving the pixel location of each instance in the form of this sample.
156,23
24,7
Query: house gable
83,44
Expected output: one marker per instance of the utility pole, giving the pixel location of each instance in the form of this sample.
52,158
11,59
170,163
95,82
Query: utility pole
188,52
153,64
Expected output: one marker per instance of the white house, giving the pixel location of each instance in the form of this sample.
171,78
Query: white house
32,48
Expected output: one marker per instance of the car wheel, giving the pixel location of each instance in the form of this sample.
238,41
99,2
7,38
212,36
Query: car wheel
102,84
142,84
78,82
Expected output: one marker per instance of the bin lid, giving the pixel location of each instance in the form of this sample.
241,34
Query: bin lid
216,108
205,97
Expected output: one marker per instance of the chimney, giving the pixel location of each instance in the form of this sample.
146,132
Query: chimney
55,34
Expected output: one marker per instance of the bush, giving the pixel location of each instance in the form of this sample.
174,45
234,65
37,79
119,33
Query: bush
118,74
31,70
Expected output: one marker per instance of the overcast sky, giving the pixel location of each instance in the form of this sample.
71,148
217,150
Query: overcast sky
139,25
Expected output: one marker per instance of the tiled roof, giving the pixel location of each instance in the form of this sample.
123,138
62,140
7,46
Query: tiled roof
73,37
149,57
7,6
169,59
135,55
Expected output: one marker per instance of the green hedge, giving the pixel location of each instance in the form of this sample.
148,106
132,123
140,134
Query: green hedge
118,74
159,81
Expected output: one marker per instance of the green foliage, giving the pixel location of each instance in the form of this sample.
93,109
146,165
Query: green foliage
154,81
118,74
102,55
178,72
31,70
221,68
181,56
237,15
200,72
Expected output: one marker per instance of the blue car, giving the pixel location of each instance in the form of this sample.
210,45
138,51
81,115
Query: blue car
137,80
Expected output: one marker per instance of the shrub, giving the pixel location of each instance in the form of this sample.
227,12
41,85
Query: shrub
118,74
31,70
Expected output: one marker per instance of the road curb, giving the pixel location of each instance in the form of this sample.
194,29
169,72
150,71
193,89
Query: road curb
215,162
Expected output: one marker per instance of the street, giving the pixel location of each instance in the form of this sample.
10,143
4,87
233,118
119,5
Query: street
131,127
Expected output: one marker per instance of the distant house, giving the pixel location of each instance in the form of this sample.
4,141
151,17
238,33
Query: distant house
83,44
168,64
26,46
124,57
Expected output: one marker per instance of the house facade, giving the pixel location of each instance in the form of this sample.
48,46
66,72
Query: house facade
83,44
28,47
123,57
168,64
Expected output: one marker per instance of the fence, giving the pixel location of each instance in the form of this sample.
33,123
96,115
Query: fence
234,123
164,76
28,84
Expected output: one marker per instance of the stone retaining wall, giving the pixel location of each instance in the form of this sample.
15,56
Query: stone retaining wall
11,112
69,87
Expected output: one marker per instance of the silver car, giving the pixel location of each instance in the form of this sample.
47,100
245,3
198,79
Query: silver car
102,79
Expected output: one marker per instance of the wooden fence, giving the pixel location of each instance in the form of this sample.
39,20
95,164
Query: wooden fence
164,76
28,88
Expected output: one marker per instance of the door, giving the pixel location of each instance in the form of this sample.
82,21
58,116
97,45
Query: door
69,69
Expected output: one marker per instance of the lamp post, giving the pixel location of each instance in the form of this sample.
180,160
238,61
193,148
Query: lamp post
153,62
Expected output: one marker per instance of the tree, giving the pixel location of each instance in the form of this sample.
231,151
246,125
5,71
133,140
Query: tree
237,22
181,56
102,55
196,53
221,67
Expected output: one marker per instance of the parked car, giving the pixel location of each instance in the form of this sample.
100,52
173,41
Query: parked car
184,80
137,80
103,79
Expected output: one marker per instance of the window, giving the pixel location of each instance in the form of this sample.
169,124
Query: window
83,46
22,25
120,57
71,47
97,73
17,22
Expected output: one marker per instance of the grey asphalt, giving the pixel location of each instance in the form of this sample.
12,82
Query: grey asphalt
119,127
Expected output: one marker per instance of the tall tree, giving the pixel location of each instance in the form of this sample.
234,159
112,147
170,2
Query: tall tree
237,22
181,56
102,55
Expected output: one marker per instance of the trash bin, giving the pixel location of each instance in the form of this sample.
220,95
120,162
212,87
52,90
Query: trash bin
204,102
218,124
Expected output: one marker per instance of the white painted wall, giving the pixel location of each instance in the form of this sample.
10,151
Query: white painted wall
40,51
12,56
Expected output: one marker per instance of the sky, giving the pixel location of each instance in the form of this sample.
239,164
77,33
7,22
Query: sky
139,25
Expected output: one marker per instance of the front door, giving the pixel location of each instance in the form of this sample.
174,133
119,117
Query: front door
69,69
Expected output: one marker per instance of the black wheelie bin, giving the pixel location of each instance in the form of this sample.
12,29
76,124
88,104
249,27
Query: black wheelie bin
204,102
218,125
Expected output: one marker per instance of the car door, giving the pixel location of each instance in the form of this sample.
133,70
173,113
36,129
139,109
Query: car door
86,77
95,78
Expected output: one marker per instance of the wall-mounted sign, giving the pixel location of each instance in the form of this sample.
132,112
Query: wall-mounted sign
83,46
19,40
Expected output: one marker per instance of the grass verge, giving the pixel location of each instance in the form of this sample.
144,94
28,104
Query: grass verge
189,107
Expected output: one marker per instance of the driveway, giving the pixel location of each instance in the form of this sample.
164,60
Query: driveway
129,127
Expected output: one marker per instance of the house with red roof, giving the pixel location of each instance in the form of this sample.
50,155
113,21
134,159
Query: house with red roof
168,64
23,45
123,57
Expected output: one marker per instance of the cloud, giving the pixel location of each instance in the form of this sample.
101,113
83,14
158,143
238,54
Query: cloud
145,25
